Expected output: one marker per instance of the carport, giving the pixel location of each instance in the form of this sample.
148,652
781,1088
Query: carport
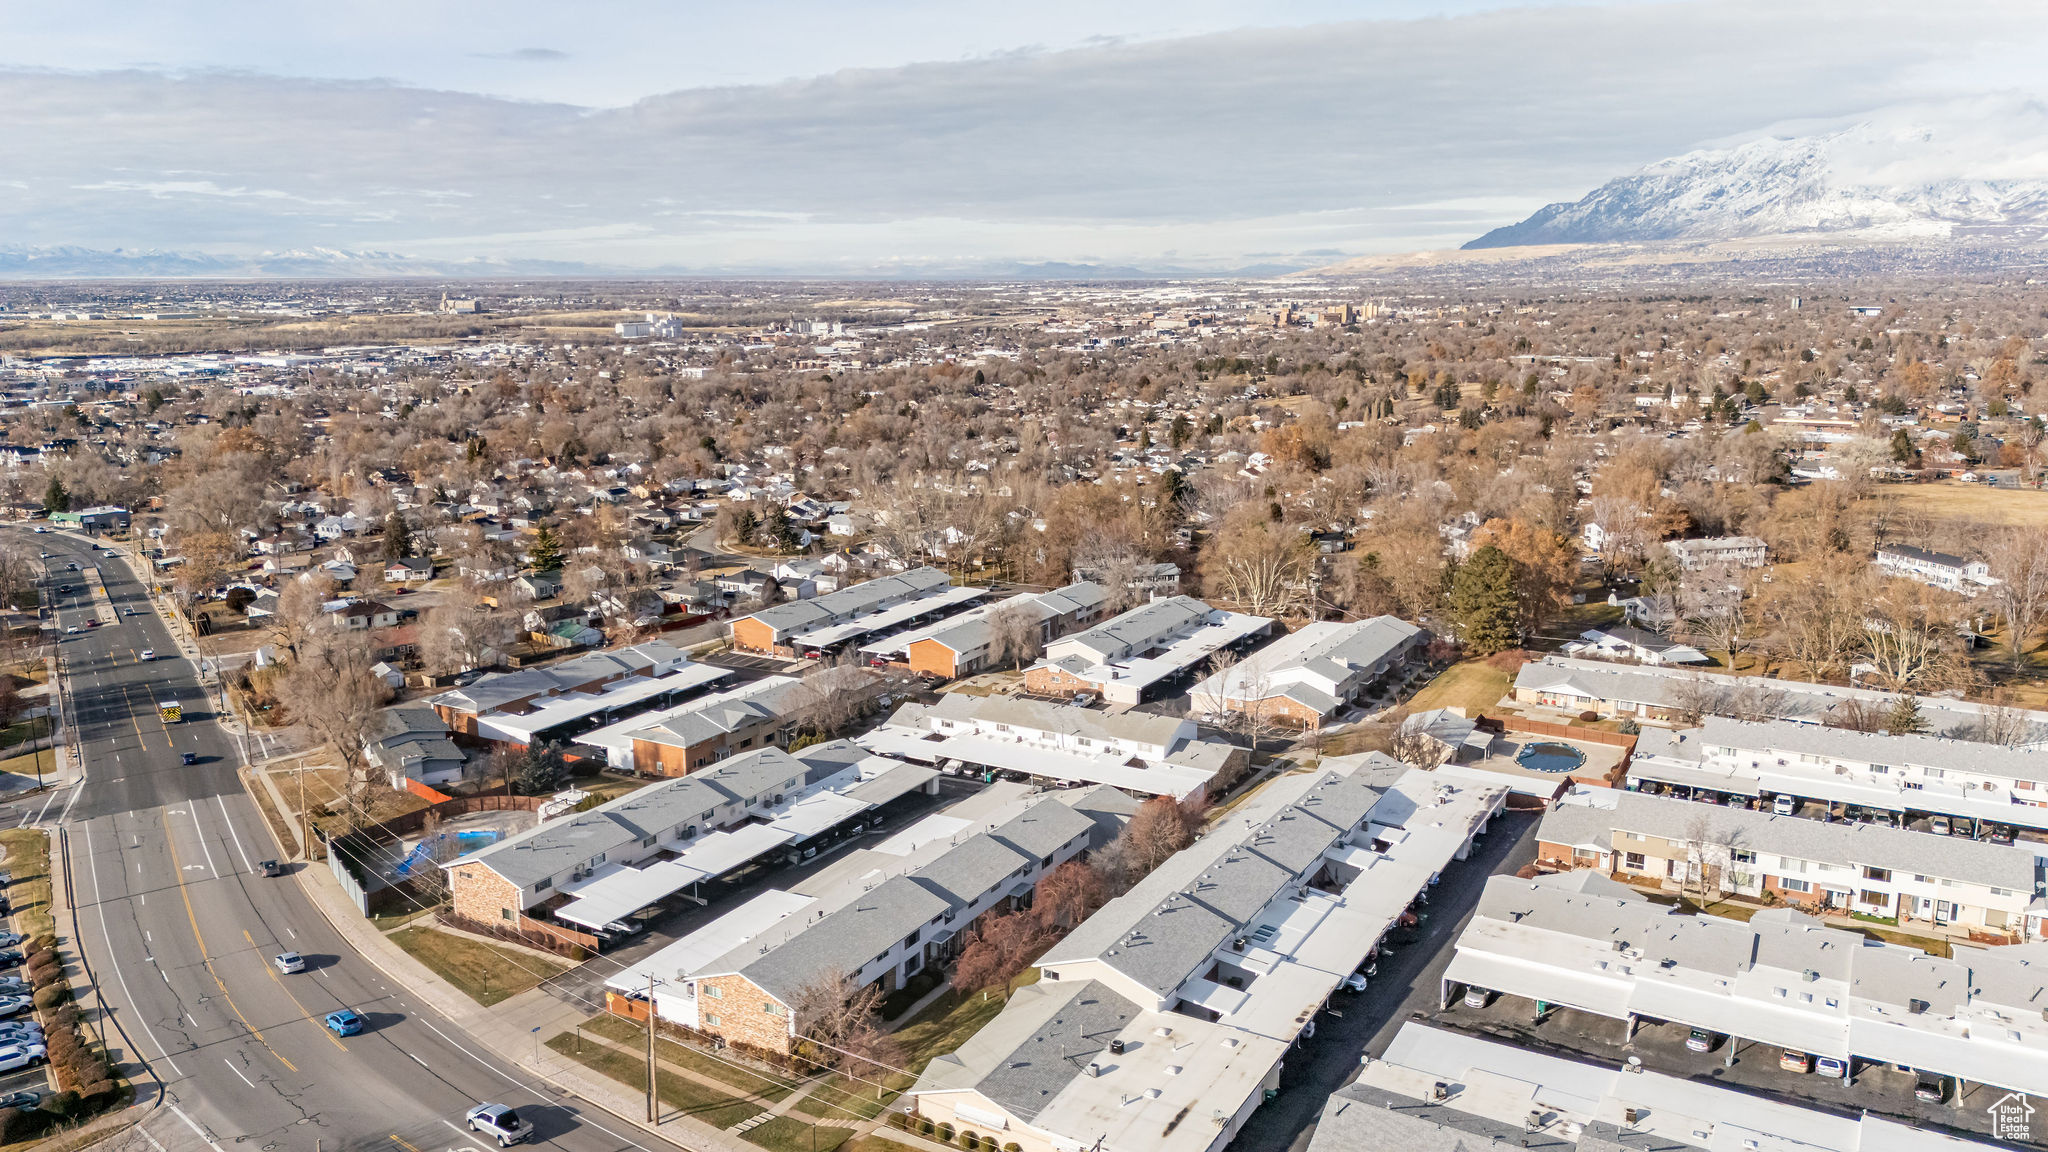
612,895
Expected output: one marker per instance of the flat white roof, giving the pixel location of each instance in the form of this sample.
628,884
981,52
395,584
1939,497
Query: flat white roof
554,711
1154,777
1191,649
610,895
887,618
713,940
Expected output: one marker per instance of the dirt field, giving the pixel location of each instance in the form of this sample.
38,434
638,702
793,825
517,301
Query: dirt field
1973,503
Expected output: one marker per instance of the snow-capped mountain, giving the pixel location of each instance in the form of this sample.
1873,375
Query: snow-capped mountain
69,262
1920,173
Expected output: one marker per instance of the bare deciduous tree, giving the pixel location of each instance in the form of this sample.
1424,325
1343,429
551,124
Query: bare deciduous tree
2018,557
1015,634
333,691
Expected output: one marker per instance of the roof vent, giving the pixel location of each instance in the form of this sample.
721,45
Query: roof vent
1173,1069
1440,1091
1810,975
1094,1069
1163,1032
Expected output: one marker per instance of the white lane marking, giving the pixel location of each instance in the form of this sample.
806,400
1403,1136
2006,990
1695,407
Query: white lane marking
201,1132
288,929
523,1084
229,821
99,899
201,829
460,1133
237,1071
153,1143
421,1063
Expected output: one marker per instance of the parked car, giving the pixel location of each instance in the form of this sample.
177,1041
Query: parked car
11,939
346,1022
1355,982
1476,997
500,1123
1083,699
14,1057
71,630
1938,825
1790,1061
1701,1040
1930,1087
22,1100
1829,1066
1784,805
289,962
11,958
13,1005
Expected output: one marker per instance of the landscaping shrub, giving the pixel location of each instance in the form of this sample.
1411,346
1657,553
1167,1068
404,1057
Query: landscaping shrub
44,972
970,1141
924,1125
17,1125
899,1120
46,941
945,1133
61,1103
1012,1146
51,995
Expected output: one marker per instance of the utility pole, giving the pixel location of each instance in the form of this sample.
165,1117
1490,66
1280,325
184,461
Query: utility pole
653,1114
305,818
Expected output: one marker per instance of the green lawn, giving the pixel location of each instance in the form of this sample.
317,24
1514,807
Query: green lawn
28,862
789,1134
623,1031
678,1094
842,1099
34,728
1473,685
486,972
947,1022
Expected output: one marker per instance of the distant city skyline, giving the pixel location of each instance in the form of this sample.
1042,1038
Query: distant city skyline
904,135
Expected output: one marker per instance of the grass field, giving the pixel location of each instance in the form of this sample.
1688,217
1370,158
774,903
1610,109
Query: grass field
28,861
44,761
1473,685
948,1021
485,972
789,1134
1975,503
622,1031
678,1094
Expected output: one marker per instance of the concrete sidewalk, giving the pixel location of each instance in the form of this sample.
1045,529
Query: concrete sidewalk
515,1031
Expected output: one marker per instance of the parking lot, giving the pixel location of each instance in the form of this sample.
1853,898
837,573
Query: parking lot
1734,1063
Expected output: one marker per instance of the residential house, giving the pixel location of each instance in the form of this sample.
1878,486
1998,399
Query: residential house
1718,552
1935,569
411,742
1623,642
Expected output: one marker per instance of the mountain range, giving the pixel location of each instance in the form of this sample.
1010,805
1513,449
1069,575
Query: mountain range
1975,170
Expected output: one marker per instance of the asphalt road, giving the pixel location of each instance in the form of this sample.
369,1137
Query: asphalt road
179,926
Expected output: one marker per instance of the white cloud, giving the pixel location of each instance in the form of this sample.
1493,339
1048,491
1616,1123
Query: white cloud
1356,137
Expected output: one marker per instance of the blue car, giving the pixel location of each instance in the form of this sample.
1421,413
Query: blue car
346,1022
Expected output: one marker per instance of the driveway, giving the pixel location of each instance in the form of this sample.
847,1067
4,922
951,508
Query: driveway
1405,986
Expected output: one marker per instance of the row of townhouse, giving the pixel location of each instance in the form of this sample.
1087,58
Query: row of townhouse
689,736
1936,569
519,874
851,613
1897,778
1579,940
1145,652
512,692
1138,752
1305,678
1162,1022
1434,1090
962,645
881,916
1669,695
1837,866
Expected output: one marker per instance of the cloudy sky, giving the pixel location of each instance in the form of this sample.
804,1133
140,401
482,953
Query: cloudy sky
909,135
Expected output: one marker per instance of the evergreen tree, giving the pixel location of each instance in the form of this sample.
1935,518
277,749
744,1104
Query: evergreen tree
1181,431
397,537
1482,602
1902,446
1903,717
546,553
56,498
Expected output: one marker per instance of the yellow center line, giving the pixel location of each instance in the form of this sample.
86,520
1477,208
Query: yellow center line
205,956
304,1013
402,1144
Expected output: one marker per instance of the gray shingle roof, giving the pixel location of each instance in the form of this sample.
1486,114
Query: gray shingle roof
1044,1037
855,600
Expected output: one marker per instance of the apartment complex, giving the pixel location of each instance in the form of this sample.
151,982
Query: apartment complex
1837,866
882,917
852,614
1895,777
1159,1023
1439,1091
1141,653
1717,552
515,693
1309,676
506,880
1138,752
1578,940
960,645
